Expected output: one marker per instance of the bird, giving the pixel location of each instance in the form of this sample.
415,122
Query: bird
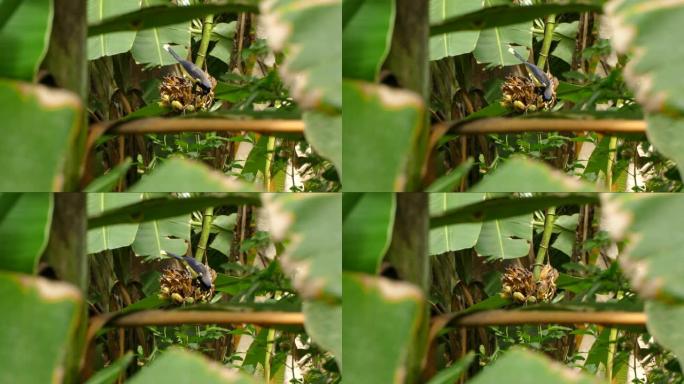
200,269
193,70
538,74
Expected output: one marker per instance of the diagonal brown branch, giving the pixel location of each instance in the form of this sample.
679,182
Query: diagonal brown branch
159,317
503,317
160,125
507,125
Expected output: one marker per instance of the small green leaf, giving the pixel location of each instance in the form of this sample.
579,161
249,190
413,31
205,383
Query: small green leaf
110,374
108,181
448,182
451,374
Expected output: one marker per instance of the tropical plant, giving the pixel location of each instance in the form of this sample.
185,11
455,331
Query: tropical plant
86,296
96,102
495,287
461,106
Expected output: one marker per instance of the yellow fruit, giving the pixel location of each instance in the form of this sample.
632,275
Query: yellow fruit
519,297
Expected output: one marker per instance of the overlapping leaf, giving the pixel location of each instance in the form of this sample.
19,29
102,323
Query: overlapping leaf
383,124
24,37
41,319
381,322
40,131
454,43
453,237
24,232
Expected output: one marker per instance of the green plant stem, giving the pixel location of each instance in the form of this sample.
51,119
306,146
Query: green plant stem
270,339
612,155
204,235
549,27
612,347
546,238
270,149
206,37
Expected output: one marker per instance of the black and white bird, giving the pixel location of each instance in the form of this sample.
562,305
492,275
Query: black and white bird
194,71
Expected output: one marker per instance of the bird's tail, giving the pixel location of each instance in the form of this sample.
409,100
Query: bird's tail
514,52
536,71
173,255
167,47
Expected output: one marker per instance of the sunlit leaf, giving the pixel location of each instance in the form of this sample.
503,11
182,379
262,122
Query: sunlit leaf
454,43
492,46
508,238
309,34
499,14
453,237
309,225
111,43
160,16
652,255
113,236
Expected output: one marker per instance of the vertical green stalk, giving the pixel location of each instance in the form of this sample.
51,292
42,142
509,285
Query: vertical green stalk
270,149
612,155
549,27
546,238
270,347
270,339
612,347
206,37
204,235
